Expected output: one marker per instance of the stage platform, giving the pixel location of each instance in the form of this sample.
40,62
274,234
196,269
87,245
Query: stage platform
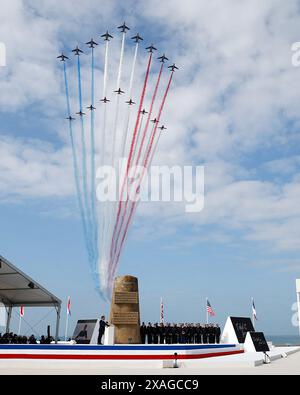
117,352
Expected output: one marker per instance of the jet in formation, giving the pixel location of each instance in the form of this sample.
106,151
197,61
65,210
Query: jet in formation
92,44
107,36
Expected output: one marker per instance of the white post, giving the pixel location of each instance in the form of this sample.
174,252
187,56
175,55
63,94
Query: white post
67,326
298,301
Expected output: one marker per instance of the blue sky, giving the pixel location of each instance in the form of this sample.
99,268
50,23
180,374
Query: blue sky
237,113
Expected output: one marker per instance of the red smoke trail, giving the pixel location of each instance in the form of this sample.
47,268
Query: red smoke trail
116,260
133,143
119,230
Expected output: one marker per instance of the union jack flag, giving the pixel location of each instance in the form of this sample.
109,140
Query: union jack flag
210,310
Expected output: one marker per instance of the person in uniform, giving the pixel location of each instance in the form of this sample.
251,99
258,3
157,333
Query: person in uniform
143,333
183,334
218,334
175,334
168,334
150,333
155,334
205,334
162,334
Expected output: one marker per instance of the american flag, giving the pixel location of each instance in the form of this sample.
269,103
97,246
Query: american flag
254,310
69,307
209,309
22,311
162,313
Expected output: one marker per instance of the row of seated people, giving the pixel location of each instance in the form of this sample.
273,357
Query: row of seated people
11,338
180,334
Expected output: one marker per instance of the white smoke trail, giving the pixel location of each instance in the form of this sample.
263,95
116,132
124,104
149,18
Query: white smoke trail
103,208
127,120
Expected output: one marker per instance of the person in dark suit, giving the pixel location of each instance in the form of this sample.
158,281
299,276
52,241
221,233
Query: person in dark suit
162,334
212,334
143,333
205,334
155,334
183,334
168,334
102,326
218,334
150,333
175,334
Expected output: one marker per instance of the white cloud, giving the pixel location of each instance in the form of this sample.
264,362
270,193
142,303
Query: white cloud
234,97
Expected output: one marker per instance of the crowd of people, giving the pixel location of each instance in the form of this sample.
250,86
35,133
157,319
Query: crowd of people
180,334
12,338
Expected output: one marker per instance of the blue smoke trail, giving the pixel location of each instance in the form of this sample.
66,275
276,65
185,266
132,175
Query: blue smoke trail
84,169
93,170
75,162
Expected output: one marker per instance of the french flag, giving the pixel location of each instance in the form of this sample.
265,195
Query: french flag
69,306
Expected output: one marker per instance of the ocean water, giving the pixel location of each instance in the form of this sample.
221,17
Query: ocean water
284,340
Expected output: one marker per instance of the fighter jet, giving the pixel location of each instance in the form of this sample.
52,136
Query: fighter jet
91,108
63,57
77,51
92,44
137,38
124,28
173,67
154,121
119,92
70,118
107,36
80,113
105,100
152,48
162,128
130,102
163,58
144,112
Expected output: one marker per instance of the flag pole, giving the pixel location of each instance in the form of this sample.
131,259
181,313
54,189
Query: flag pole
67,325
207,319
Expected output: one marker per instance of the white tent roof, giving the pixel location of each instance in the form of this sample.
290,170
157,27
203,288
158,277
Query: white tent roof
18,289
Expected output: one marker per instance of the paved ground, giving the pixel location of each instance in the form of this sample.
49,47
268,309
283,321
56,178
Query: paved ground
284,366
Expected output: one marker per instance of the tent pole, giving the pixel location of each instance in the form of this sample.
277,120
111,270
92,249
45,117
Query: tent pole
9,312
58,309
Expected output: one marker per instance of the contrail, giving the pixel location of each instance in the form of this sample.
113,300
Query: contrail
104,206
93,167
135,131
132,146
127,121
146,163
111,207
115,242
83,152
75,165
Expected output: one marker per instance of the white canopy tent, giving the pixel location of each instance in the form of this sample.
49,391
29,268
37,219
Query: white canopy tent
17,289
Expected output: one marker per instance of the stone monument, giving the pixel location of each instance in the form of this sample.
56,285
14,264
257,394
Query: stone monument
125,311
